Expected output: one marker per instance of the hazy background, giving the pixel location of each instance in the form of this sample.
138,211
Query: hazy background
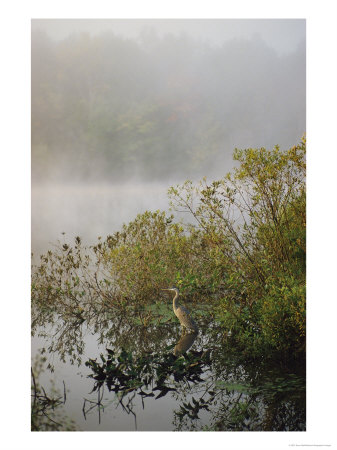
123,108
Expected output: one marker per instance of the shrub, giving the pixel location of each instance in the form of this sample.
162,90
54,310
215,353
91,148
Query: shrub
243,251
254,221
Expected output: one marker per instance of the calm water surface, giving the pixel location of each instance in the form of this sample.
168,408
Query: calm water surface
203,390
225,394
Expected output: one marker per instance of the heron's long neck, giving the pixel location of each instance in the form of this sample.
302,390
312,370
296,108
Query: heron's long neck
175,301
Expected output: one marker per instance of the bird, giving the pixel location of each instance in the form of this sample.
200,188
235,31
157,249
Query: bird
182,313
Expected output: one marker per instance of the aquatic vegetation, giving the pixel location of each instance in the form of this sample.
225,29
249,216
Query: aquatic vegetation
208,386
254,220
242,255
233,402
157,371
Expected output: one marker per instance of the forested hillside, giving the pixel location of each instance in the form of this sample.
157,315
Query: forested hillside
107,109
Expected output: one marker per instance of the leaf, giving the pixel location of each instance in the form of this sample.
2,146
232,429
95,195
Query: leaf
145,394
164,391
233,386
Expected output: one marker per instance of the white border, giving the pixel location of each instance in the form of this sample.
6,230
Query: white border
15,179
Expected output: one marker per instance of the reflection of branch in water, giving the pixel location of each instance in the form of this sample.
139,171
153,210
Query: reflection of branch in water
44,406
128,407
238,406
127,374
99,405
93,404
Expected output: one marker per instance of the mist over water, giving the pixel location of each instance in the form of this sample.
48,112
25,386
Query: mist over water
121,108
88,210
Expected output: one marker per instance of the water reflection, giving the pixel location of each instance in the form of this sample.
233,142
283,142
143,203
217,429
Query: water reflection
47,408
135,369
185,342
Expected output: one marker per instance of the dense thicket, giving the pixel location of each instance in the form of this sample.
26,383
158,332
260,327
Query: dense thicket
107,108
242,252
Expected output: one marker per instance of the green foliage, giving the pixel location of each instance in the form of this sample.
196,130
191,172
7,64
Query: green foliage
153,252
243,253
125,373
254,220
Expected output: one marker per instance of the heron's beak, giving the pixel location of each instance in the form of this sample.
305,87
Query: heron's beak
165,289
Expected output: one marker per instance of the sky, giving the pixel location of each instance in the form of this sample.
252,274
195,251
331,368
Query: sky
284,35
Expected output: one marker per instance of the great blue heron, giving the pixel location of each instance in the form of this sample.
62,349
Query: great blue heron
182,313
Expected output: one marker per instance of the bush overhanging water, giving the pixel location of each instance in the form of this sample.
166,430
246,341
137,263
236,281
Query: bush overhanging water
242,252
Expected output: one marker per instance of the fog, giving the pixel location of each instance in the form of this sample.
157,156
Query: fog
122,109
280,34
61,212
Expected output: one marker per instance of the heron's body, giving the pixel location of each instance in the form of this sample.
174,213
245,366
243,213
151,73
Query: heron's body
182,313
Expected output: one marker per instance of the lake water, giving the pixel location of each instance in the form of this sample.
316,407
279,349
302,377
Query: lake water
203,390
142,385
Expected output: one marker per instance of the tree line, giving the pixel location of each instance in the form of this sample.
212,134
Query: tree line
109,108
